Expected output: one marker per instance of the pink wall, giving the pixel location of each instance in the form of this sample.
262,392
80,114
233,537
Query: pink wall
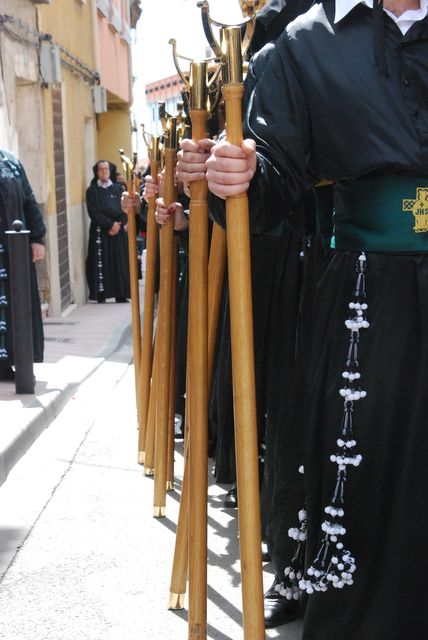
114,60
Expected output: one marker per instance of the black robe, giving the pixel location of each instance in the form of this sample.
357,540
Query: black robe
107,264
265,248
17,201
325,108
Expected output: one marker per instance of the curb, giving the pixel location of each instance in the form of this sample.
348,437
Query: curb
46,408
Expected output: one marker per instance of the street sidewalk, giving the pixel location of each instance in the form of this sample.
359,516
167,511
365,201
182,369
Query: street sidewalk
76,344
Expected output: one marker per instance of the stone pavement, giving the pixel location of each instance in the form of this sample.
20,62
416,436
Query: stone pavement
75,346
81,556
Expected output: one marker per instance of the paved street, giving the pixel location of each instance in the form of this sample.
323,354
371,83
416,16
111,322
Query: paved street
80,555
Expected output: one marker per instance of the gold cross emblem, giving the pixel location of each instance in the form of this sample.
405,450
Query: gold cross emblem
419,208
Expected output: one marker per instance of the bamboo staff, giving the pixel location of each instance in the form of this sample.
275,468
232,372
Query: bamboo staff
149,302
129,166
172,132
241,317
192,524
216,269
173,358
198,325
149,454
177,590
241,320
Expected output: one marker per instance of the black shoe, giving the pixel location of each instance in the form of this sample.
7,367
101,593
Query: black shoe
231,499
7,373
100,299
122,299
279,610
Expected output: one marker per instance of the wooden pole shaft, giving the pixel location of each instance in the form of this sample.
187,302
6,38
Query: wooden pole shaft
179,572
149,454
148,315
171,415
135,294
198,435
241,318
164,335
216,269
177,590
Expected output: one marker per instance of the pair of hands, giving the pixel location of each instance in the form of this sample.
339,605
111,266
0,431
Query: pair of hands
227,167
163,214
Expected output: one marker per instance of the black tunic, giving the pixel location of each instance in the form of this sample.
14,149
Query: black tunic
107,264
265,275
324,109
17,201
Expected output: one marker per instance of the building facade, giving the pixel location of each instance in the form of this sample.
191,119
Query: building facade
168,90
65,96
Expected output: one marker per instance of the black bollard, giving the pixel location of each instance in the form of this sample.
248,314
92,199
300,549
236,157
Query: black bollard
22,331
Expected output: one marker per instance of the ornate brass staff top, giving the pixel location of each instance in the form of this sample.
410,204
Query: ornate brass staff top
128,167
154,149
230,53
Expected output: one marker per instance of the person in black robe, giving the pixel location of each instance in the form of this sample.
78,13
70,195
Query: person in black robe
344,99
270,22
17,201
107,263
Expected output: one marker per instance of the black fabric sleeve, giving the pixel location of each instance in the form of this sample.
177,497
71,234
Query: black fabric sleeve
95,214
278,120
33,215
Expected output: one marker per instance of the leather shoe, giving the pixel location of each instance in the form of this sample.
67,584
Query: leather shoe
279,610
231,499
7,373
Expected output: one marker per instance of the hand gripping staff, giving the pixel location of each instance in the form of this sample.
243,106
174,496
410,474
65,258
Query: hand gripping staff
241,317
149,299
173,127
129,166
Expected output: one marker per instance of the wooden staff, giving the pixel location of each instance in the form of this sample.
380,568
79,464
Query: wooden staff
180,565
149,454
216,269
198,333
149,303
164,320
129,169
241,319
171,417
192,521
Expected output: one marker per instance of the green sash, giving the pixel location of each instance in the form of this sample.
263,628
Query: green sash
381,214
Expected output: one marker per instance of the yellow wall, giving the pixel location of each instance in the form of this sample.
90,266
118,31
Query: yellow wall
114,132
70,24
75,34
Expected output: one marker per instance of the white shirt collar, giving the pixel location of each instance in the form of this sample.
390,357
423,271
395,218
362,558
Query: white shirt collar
104,185
404,22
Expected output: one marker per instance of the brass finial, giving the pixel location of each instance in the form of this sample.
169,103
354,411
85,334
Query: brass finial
173,126
128,165
232,48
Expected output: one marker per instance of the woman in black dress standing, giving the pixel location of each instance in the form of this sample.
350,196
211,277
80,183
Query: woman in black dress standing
107,264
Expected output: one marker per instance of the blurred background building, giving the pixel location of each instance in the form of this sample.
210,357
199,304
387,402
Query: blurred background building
65,98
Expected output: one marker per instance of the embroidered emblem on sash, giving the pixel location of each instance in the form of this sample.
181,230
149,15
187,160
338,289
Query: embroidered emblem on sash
419,208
